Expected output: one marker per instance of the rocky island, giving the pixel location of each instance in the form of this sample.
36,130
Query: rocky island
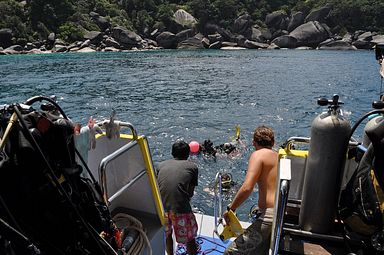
311,29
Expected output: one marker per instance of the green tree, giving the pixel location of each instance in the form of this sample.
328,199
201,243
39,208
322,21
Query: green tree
143,22
12,15
70,32
52,13
226,11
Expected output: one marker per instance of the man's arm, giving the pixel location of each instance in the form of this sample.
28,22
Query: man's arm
252,176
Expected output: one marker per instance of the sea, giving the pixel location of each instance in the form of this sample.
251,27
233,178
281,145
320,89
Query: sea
197,95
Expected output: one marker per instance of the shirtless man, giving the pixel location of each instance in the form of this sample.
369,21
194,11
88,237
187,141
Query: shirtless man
262,169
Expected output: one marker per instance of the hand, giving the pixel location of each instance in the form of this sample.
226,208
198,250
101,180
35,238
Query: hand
91,122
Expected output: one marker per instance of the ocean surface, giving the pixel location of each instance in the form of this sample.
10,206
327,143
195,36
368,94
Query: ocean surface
198,95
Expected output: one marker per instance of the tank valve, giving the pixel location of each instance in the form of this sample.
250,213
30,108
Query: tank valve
333,103
378,105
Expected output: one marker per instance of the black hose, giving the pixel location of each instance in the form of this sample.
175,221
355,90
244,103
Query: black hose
41,98
361,119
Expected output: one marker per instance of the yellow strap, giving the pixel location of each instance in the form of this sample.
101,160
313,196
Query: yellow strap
379,192
11,122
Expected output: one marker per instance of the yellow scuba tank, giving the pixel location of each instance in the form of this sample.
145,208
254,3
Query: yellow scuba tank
233,229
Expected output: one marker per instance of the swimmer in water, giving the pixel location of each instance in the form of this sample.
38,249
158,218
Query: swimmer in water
228,186
207,149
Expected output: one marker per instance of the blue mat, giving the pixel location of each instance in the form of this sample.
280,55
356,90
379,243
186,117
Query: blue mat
206,245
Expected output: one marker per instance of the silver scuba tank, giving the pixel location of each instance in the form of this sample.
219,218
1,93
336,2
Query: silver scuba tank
327,154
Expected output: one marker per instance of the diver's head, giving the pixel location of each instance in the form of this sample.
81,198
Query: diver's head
207,148
208,143
228,147
263,137
180,150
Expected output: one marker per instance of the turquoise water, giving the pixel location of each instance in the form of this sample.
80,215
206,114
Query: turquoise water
198,95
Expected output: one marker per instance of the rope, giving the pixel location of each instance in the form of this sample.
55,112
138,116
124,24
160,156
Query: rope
125,222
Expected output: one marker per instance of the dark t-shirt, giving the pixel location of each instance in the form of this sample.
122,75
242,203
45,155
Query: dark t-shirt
175,177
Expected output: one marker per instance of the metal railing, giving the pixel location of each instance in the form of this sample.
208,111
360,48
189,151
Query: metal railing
282,191
218,207
108,159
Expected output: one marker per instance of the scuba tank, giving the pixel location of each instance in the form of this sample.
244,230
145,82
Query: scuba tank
327,153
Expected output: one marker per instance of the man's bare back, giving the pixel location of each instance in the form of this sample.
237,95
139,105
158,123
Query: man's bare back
267,178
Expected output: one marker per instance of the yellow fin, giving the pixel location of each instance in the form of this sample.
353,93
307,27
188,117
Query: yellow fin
233,229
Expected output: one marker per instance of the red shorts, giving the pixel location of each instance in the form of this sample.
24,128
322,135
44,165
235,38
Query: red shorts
184,225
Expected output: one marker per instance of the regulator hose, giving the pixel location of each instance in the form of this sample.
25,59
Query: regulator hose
125,223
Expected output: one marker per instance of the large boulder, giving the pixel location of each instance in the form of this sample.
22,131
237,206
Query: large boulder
319,15
94,36
279,33
184,18
285,41
185,34
240,40
215,45
51,40
356,34
229,44
59,48
213,28
347,38
14,49
51,37
365,45
255,45
191,43
5,37
126,37
277,20
378,39
29,46
100,21
310,34
205,42
167,40
243,25
336,45
260,35
366,36
296,20
110,42
215,38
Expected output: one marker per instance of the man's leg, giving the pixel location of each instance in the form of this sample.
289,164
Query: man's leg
169,245
192,247
168,233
